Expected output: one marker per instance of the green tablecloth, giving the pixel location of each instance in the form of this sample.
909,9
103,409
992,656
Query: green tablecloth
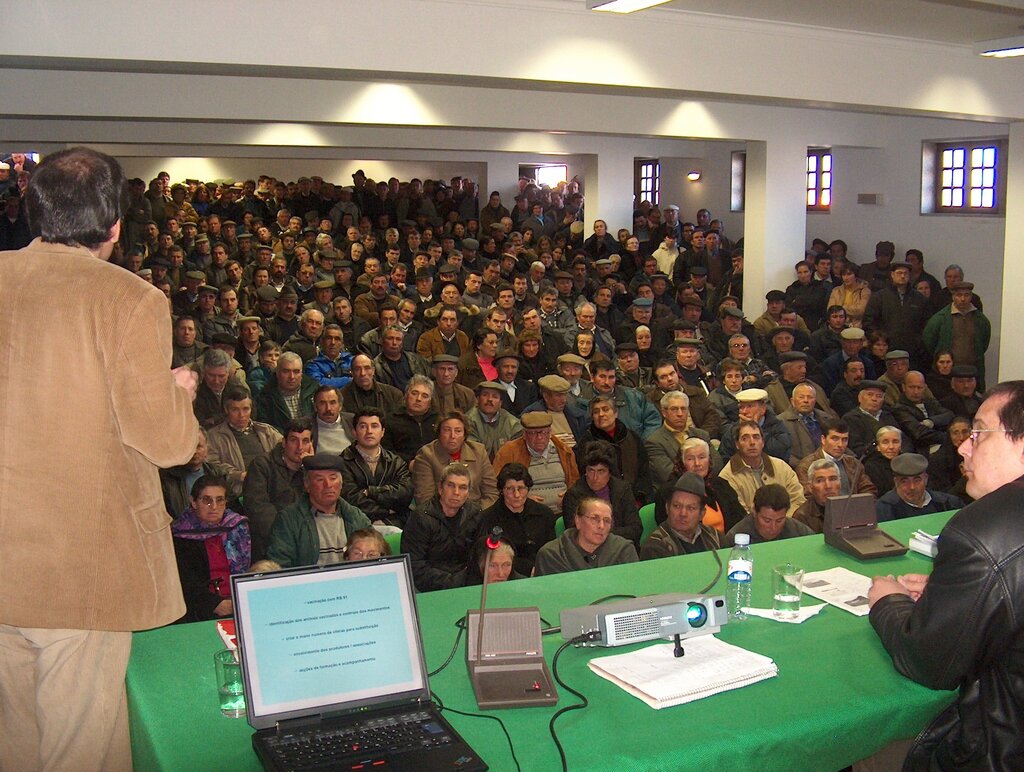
837,698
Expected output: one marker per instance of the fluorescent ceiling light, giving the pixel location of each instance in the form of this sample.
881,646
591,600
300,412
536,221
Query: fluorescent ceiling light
1002,48
622,6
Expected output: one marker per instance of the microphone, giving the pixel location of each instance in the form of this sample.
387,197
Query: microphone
515,674
492,543
494,538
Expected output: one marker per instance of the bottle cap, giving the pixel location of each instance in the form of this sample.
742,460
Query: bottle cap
742,540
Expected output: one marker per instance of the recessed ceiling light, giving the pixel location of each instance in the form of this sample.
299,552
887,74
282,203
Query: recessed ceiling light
1003,48
622,6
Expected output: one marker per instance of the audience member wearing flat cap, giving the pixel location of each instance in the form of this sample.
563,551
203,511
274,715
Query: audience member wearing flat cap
911,496
314,530
683,532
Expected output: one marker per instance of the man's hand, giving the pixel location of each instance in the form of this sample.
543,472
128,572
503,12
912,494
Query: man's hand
187,378
885,585
914,584
225,608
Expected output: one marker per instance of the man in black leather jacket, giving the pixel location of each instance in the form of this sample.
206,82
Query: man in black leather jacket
963,627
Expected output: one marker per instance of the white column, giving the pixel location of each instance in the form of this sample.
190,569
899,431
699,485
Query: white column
1011,353
775,218
608,186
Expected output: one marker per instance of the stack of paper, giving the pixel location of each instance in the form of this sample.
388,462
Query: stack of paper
708,667
924,543
841,588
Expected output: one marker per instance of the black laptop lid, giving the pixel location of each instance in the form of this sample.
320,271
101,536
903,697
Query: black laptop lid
328,639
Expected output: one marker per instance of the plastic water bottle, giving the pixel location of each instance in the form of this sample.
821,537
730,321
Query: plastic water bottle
740,574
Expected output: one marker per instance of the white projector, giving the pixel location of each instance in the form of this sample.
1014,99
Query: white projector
645,619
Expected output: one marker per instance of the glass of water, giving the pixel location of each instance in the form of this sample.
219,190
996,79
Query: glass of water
787,586
230,691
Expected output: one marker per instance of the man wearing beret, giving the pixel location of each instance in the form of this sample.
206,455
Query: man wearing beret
682,533
870,414
775,303
184,300
793,365
628,370
911,496
961,328
488,422
641,312
314,530
550,461
851,343
569,422
323,294
517,392
264,300
449,395
285,322
965,398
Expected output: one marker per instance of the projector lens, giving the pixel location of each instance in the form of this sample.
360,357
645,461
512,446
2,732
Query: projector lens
696,615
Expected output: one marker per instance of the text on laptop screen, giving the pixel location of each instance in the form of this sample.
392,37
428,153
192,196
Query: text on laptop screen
329,637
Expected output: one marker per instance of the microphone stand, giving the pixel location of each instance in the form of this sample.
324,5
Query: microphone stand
492,543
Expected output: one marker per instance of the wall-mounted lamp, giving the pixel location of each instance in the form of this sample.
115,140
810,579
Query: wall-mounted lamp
1003,48
694,176
622,6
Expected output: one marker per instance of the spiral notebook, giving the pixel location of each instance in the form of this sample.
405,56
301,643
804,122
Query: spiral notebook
710,666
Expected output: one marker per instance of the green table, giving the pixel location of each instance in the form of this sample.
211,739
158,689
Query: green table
836,700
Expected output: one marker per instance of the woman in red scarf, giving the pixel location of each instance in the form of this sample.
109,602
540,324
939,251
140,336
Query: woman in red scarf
211,542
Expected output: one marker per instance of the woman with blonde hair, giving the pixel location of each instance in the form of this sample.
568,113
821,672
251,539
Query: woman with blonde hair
852,295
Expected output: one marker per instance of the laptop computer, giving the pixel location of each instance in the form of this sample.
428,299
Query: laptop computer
334,671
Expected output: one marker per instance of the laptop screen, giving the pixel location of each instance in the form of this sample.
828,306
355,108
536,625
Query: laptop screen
328,639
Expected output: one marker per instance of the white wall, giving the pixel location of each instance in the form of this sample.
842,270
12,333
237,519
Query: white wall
894,172
711,192
601,90
527,41
338,171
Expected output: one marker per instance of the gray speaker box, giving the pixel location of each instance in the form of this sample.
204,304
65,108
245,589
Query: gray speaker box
507,668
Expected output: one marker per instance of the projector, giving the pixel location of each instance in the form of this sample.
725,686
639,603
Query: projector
645,619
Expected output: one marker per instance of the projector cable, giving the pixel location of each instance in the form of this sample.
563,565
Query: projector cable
718,575
508,737
583,701
461,624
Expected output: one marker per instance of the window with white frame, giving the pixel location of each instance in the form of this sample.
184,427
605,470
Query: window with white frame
969,177
819,179
548,175
647,180
738,192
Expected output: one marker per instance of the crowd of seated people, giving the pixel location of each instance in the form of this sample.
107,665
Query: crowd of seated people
403,356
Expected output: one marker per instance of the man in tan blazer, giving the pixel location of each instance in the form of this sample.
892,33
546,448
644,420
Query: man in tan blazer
85,542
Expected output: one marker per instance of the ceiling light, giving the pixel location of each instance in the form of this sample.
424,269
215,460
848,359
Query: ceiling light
1002,48
622,6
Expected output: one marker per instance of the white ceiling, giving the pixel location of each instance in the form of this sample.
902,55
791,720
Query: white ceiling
947,21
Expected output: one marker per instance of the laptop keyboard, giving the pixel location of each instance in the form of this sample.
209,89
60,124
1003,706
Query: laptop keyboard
361,746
